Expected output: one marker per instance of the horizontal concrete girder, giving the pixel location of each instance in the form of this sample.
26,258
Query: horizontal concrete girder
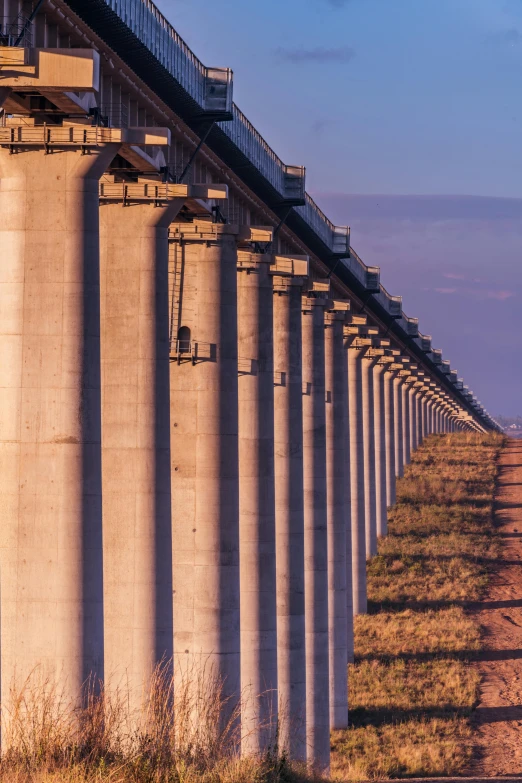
80,135
50,69
154,190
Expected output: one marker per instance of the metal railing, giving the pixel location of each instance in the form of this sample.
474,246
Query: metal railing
211,88
17,31
112,115
336,238
393,304
412,325
369,276
287,180
55,135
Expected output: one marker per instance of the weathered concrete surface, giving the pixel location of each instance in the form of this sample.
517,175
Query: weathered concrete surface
288,418
204,455
257,505
337,516
50,433
315,534
137,540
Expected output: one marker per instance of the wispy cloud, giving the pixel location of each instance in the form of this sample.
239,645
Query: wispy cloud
319,55
446,290
453,276
500,295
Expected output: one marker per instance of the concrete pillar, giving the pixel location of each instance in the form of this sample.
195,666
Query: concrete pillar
420,435
288,402
315,531
423,403
381,502
204,456
50,420
337,515
429,412
257,553
398,383
413,419
137,540
355,407
406,446
389,422
370,513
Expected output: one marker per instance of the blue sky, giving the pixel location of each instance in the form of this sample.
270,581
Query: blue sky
399,98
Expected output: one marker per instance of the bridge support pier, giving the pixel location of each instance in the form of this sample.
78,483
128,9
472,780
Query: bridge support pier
315,529
257,503
340,624
413,419
370,511
398,383
389,423
204,457
288,419
406,445
50,421
379,414
357,489
137,538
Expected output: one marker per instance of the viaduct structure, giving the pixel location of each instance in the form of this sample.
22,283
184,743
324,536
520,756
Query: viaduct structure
205,394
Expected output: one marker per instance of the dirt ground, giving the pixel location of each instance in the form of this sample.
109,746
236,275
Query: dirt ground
498,718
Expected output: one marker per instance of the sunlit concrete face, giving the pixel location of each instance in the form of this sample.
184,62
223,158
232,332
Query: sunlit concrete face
50,423
355,395
204,458
370,511
288,441
257,503
136,442
340,625
315,531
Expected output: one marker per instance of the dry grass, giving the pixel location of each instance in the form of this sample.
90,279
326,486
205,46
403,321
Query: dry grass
411,687
176,736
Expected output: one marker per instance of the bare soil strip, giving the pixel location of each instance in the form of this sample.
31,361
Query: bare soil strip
497,721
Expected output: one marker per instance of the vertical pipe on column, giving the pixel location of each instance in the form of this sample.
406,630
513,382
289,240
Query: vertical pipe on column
136,443
389,420
355,396
380,449
50,421
315,530
205,478
337,515
257,554
288,424
370,514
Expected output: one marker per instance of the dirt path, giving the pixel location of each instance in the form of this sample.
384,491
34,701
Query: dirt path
498,718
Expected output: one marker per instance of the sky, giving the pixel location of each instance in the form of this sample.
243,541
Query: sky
408,117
